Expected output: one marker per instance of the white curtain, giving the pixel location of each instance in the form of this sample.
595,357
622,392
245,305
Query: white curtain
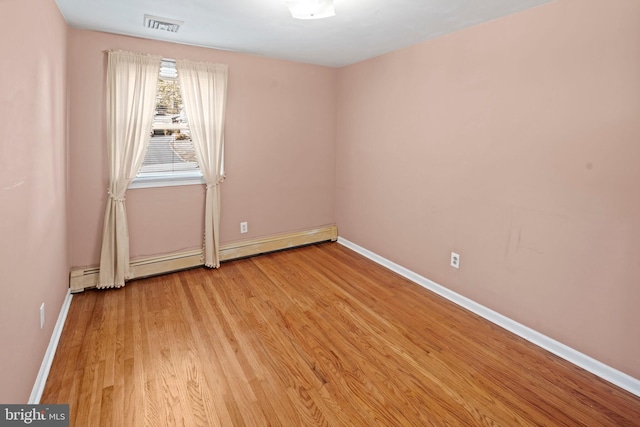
204,93
132,81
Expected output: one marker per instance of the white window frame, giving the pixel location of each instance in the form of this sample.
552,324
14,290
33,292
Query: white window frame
168,179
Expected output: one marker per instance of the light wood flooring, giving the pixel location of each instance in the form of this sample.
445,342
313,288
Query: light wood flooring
310,336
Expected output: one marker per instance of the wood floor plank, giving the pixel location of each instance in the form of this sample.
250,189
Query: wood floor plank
313,336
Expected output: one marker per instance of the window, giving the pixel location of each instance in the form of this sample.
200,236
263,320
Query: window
170,158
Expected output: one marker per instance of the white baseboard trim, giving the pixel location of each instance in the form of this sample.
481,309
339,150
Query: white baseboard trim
587,363
41,379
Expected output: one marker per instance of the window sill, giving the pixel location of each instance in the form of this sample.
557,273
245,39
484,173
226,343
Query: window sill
166,180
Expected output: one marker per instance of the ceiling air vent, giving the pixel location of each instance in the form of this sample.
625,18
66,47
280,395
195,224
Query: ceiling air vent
164,24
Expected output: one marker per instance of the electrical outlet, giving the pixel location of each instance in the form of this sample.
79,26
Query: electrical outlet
244,227
42,316
455,260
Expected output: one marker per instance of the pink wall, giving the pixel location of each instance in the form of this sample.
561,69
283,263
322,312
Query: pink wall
33,193
280,152
515,143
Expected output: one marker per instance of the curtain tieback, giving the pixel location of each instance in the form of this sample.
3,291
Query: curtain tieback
116,198
210,186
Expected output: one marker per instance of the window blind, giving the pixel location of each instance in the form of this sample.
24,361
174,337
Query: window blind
170,153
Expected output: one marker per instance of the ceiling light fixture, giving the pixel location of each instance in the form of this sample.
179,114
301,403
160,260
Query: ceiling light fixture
164,24
311,9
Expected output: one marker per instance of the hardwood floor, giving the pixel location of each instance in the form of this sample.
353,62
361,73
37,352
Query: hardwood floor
311,336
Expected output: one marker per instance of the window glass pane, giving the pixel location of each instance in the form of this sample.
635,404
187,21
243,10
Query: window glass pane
170,152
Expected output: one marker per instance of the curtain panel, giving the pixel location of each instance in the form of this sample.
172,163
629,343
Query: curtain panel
204,93
132,81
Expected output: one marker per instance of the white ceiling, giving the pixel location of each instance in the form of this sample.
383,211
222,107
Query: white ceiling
360,30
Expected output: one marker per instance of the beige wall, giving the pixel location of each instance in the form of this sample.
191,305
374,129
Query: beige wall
33,195
280,152
515,143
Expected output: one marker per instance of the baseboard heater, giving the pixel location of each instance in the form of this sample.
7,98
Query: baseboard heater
84,278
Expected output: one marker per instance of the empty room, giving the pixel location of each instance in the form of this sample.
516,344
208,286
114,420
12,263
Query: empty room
320,212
